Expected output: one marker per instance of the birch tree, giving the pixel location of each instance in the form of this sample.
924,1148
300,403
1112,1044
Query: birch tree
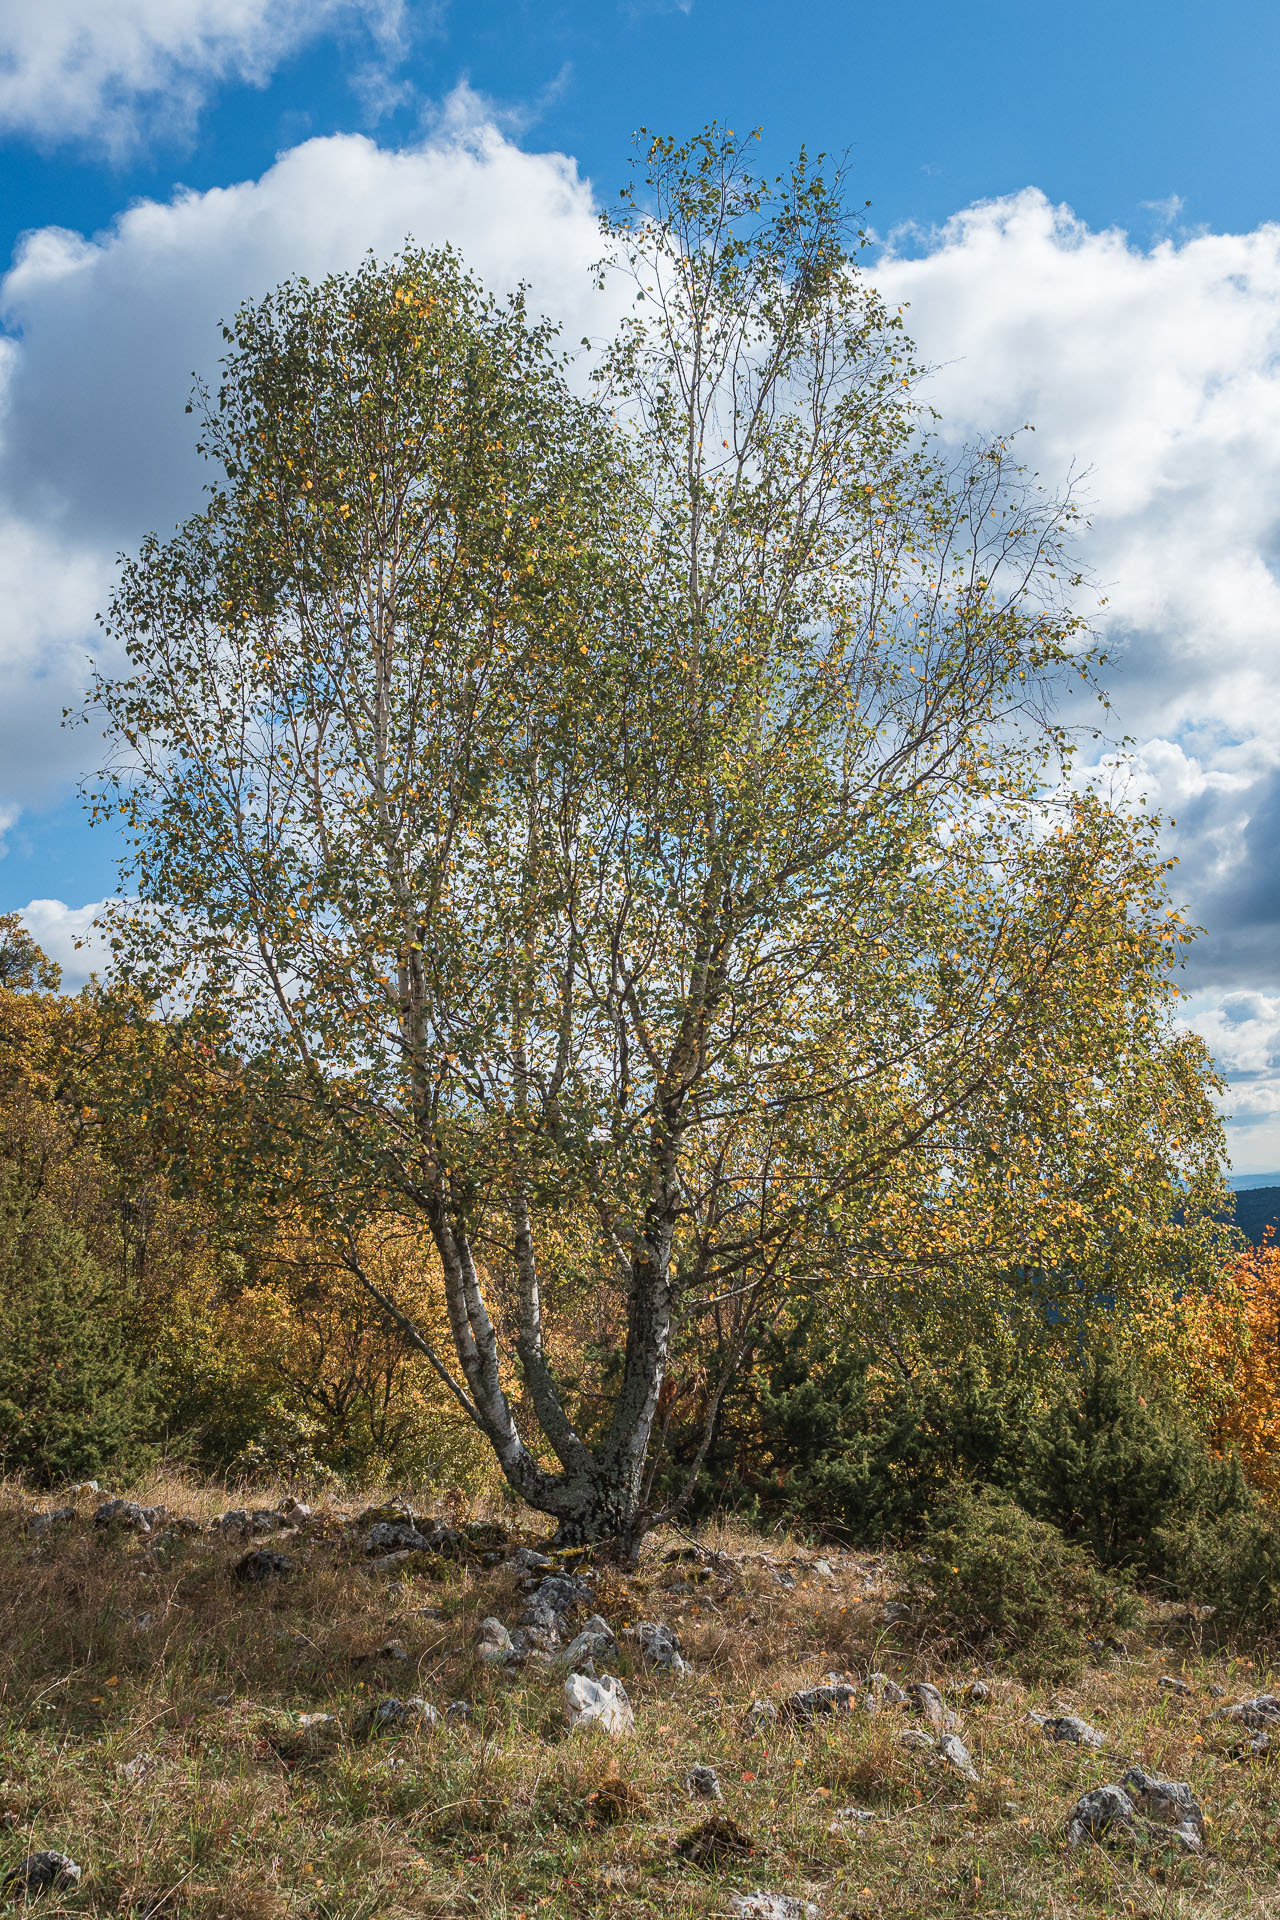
628,835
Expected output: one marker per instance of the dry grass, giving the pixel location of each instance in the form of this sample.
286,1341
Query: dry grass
149,1712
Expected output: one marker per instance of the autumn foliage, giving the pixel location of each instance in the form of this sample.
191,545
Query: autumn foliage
1233,1355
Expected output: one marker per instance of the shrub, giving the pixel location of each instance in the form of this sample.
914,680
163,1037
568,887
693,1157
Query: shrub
1231,1563
71,1403
1115,1462
998,1577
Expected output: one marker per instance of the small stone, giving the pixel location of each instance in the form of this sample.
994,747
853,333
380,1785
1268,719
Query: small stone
977,1690
771,1906
956,1754
494,1644
824,1570
1260,1710
1216,1692
598,1704
126,1513
459,1710
761,1716
817,1700
1070,1728
393,1650
394,1536
137,1769
526,1561
1168,1803
931,1706
701,1783
42,1873
916,1739
1100,1815
1172,1684
43,1523
84,1486
850,1820
263,1563
397,1716
658,1646
595,1642
315,1722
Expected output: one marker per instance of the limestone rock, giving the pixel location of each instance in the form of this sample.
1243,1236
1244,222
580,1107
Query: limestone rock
263,1563
598,1704
1260,1710
42,1873
494,1644
771,1906
658,1646
931,1706
127,1513
1070,1728
1168,1803
957,1755
1101,1815
397,1716
702,1783
839,1698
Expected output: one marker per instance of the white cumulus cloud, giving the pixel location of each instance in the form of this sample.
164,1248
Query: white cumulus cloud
108,71
67,935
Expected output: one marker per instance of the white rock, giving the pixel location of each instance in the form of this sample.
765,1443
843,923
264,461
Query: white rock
772,1906
601,1704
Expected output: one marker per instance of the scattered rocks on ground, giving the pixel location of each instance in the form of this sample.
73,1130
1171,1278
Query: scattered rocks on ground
658,1646
598,1704
396,1716
702,1783
916,1740
1070,1728
127,1513
1172,1684
42,1873
771,1906
263,1563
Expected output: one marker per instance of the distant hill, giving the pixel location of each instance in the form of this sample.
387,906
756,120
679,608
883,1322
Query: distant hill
1258,1208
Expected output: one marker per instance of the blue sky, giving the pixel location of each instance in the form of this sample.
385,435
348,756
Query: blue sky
1080,205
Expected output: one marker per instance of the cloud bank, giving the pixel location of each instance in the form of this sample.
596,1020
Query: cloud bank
1156,370
109,74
